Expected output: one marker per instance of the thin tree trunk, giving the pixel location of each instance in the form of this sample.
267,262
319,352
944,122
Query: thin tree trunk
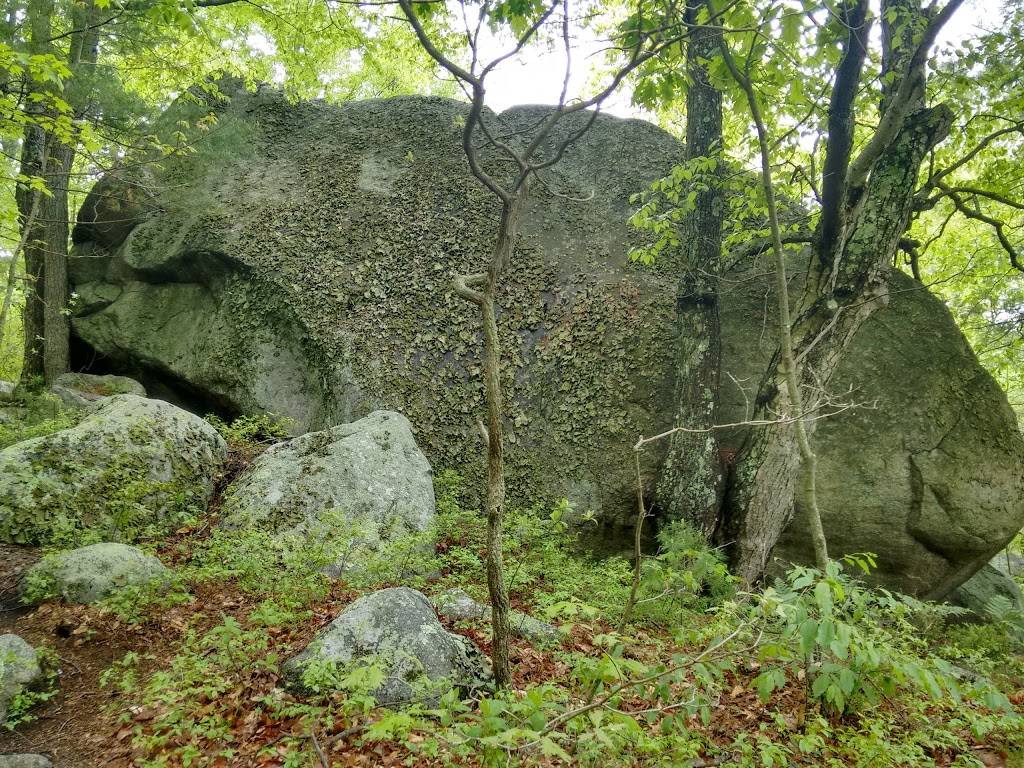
46,323
35,248
12,270
690,485
504,244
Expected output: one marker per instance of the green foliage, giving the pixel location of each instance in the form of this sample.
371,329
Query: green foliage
136,604
260,428
685,575
283,568
851,645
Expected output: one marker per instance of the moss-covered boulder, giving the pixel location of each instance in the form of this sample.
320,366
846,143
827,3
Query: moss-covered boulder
80,390
19,669
133,466
91,573
397,630
369,473
301,263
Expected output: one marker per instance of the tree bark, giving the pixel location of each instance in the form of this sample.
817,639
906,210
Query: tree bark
508,229
841,292
46,322
690,484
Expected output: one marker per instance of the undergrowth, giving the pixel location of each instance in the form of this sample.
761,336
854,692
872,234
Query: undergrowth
816,669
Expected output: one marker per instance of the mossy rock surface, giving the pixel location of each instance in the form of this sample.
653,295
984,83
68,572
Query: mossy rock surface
89,574
19,669
133,466
398,629
370,472
301,263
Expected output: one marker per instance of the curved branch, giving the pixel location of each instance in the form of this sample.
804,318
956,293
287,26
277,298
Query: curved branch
998,226
461,285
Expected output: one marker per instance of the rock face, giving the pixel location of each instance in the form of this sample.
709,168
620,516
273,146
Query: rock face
398,629
92,573
128,467
369,471
301,263
975,593
19,669
457,604
80,390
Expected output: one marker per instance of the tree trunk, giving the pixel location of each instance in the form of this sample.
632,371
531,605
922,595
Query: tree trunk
46,323
504,245
691,480
839,296
56,348
33,231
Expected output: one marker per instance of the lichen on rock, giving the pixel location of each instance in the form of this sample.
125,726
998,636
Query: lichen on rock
133,465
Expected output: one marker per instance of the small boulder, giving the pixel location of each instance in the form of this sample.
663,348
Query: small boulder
975,593
80,390
6,389
457,604
133,465
397,627
369,471
25,760
19,669
92,573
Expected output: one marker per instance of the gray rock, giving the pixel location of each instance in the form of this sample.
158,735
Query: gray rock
1008,563
124,469
369,471
19,669
397,628
975,593
25,760
237,292
6,389
455,603
92,573
80,390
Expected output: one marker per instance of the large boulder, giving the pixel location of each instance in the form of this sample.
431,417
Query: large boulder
132,467
370,472
301,263
19,669
397,629
92,573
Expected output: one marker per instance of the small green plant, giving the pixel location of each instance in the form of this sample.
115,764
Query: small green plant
42,414
20,709
136,604
261,428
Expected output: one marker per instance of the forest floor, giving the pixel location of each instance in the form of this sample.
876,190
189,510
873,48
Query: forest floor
90,722
703,675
